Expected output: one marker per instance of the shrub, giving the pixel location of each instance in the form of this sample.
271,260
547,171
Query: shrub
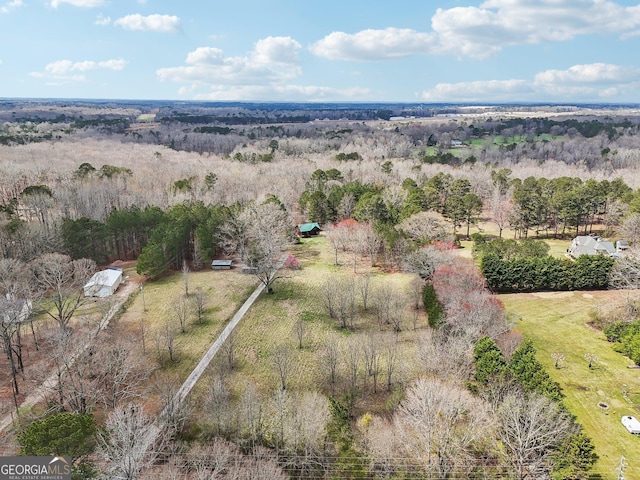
292,263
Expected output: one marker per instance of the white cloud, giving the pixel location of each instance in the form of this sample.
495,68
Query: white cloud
205,55
374,44
102,20
8,6
590,82
66,71
273,60
594,73
152,23
79,3
263,73
482,31
61,67
494,90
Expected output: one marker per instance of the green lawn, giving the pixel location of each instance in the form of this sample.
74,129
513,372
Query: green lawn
557,323
270,324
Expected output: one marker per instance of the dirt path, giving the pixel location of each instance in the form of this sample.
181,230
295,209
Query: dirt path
50,383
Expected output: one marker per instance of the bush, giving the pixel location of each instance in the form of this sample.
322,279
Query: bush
433,306
292,263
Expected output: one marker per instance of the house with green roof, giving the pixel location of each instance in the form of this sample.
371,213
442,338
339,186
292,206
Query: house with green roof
308,229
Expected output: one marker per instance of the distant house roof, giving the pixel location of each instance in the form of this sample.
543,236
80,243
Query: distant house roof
108,278
588,245
14,309
308,227
221,263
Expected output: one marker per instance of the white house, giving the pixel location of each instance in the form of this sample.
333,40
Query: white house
632,424
14,310
103,283
590,245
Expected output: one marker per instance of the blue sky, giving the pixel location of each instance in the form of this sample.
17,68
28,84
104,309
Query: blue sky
302,50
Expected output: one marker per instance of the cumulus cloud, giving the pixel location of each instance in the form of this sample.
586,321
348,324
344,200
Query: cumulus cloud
79,3
274,59
8,6
66,71
264,73
374,44
594,73
494,90
482,31
62,67
150,23
588,82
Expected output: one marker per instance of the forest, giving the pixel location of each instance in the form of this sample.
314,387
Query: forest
377,350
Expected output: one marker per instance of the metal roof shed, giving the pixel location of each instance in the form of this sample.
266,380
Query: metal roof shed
221,264
103,283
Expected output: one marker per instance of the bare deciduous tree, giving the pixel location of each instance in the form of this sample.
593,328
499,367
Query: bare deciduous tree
390,348
389,305
164,340
630,229
352,353
502,209
439,423
120,373
62,280
15,311
250,415
129,442
372,358
199,303
425,227
229,350
282,359
329,360
180,309
185,277
425,261
338,296
219,405
300,330
529,427
363,284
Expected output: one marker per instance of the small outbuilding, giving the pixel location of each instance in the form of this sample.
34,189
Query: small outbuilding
103,283
308,229
622,246
632,424
221,265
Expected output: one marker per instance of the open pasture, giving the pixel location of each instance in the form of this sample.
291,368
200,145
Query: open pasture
557,322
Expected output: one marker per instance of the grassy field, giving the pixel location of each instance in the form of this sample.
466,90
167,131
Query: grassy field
146,317
270,325
557,323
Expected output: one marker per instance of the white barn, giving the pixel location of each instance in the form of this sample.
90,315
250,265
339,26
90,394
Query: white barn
103,283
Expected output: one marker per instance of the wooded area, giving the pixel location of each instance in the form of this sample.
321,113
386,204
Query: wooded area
420,369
